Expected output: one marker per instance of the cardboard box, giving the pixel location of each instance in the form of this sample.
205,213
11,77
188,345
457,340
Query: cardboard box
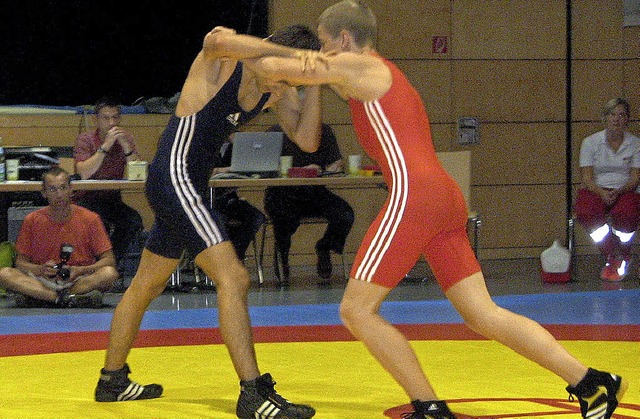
136,170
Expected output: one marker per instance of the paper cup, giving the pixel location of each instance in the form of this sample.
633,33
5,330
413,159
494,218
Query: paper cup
285,164
355,163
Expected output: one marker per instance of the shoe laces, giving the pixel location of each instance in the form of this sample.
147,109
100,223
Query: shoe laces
116,378
266,388
589,386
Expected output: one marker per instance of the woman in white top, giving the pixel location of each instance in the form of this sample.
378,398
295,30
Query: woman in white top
607,205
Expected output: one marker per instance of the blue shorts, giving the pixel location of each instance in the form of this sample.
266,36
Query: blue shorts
182,219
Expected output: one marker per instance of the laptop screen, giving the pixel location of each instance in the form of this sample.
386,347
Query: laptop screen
256,153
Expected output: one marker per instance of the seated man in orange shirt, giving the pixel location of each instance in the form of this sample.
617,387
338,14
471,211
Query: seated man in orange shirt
64,255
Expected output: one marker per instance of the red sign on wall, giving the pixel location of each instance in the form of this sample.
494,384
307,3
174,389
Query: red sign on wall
439,44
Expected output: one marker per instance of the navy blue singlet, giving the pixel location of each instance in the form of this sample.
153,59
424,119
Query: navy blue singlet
179,173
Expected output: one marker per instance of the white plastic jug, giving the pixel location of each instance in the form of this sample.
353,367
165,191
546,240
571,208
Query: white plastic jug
556,263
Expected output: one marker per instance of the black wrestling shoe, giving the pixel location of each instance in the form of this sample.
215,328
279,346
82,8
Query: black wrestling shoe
115,386
92,299
436,409
259,400
598,393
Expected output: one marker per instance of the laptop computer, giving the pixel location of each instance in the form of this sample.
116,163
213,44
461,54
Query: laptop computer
256,154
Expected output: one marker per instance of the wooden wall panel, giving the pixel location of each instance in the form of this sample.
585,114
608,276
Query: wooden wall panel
594,83
61,130
445,137
399,37
507,150
347,140
631,85
597,29
508,29
519,220
335,110
509,90
631,40
288,12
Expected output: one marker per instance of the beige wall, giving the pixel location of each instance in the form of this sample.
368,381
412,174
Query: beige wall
505,65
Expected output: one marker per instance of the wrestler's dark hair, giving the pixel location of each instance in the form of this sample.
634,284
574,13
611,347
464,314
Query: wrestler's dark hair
106,102
296,36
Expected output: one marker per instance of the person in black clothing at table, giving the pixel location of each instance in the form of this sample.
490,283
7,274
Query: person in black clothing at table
287,205
242,220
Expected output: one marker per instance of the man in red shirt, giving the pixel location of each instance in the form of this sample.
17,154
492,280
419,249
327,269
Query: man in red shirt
103,154
41,275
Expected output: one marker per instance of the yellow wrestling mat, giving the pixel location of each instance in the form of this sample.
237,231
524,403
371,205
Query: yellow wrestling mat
480,379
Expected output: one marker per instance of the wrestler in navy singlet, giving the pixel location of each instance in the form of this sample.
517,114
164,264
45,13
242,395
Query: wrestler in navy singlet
180,171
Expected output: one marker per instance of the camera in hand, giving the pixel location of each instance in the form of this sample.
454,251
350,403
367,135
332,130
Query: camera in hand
65,254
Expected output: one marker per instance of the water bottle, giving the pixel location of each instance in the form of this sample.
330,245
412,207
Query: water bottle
3,164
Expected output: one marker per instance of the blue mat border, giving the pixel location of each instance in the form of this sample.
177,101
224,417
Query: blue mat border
594,308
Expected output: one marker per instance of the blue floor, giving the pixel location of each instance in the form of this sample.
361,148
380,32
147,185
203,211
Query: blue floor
596,307
514,284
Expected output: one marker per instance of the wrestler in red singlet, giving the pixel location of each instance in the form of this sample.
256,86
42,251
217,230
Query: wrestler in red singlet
425,212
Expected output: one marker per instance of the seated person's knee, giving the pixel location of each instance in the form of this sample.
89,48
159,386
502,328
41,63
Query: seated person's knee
110,275
7,271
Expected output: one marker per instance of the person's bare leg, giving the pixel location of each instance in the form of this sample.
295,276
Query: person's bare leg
258,397
232,282
359,312
102,279
523,335
149,282
15,280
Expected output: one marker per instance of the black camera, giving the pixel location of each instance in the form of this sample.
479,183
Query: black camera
65,254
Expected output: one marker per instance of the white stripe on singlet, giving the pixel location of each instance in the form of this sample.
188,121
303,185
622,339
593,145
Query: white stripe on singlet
399,191
190,200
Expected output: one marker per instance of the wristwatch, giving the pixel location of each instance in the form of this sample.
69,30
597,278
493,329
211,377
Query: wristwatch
102,150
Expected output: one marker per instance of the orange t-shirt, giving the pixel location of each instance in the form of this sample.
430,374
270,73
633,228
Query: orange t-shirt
40,238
